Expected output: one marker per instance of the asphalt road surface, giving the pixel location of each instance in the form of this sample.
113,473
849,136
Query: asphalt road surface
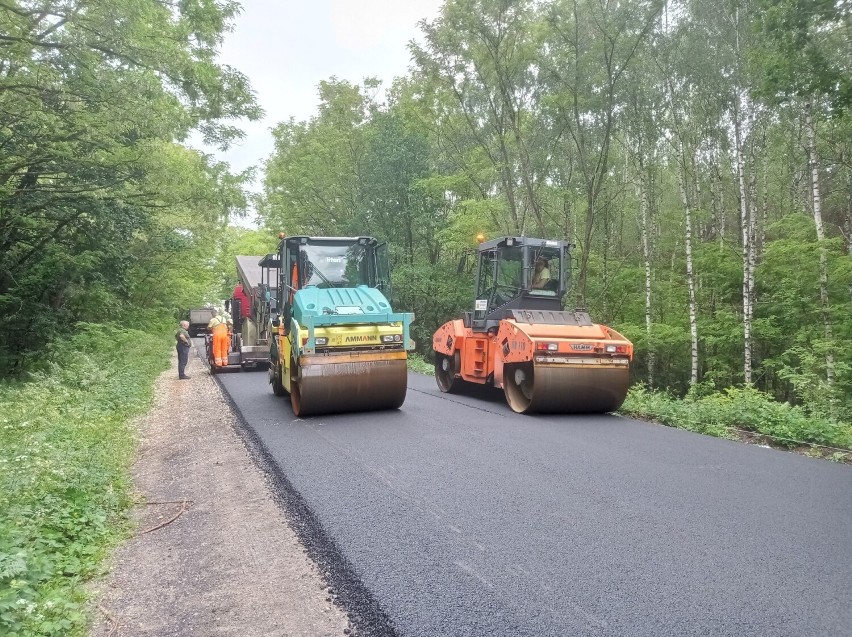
455,517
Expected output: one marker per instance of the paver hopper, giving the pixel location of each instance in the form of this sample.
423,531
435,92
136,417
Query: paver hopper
337,344
519,338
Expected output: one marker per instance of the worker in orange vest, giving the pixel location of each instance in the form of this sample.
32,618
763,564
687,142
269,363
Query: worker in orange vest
218,326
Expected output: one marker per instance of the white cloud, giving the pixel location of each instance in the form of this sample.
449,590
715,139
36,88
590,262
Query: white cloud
363,24
286,47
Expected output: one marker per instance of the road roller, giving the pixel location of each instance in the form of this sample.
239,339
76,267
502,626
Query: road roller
337,344
519,338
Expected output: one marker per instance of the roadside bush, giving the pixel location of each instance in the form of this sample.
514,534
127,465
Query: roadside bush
417,363
741,408
65,449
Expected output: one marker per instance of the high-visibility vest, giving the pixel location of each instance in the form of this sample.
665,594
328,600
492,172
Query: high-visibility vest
294,282
217,325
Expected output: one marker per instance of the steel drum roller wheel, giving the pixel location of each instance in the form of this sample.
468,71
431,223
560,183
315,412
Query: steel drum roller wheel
349,386
561,389
446,368
518,379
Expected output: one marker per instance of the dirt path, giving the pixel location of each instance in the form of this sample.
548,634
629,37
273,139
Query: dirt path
228,564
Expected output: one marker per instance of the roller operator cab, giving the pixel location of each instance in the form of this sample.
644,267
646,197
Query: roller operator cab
519,338
337,344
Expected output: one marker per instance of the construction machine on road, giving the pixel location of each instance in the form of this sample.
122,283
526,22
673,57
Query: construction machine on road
337,345
199,317
519,337
248,310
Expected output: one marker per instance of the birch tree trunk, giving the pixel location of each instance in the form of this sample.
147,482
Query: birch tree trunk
746,225
764,212
690,275
751,260
717,194
823,257
646,256
847,222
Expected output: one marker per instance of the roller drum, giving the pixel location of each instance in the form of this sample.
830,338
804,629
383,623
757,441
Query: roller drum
334,387
543,388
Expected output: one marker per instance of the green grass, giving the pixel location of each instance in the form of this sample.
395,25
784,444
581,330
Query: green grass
416,363
723,413
65,453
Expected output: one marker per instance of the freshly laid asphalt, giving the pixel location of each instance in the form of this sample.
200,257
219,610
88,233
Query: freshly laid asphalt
455,517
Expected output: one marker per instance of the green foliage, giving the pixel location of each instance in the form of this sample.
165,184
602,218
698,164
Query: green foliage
99,206
717,414
311,181
578,121
801,50
434,293
221,263
417,363
65,449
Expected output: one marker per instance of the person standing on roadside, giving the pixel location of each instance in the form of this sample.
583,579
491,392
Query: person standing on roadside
183,344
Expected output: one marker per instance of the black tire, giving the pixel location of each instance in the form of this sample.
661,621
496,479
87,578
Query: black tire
275,378
446,368
208,344
295,390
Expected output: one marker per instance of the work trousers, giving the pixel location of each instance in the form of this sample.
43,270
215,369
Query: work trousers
183,359
221,345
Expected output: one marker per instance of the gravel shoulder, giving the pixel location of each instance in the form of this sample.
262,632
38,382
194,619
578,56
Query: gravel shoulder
212,553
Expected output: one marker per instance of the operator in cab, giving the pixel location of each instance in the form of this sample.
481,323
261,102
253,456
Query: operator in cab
541,277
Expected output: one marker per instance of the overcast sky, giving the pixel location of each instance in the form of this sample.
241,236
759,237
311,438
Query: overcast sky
286,47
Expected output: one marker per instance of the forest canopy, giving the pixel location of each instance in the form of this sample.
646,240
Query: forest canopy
102,209
697,155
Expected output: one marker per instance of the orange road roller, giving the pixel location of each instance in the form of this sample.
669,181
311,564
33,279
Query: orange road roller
519,337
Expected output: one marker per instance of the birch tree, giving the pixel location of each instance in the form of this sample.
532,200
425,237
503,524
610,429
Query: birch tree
589,47
805,53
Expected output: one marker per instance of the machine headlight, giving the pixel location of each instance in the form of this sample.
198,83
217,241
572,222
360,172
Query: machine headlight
321,340
387,338
610,349
546,347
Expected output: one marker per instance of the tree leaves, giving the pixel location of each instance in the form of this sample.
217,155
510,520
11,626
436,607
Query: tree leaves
93,96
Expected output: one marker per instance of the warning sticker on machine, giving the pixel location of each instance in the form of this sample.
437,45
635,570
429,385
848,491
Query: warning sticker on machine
481,305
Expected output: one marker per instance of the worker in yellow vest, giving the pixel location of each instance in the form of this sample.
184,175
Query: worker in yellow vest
218,327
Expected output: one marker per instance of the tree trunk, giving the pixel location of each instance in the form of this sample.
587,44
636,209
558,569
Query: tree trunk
745,223
690,276
751,259
823,256
847,223
646,257
721,208
764,213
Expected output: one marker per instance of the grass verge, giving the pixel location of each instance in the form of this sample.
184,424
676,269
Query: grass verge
417,363
743,414
65,451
